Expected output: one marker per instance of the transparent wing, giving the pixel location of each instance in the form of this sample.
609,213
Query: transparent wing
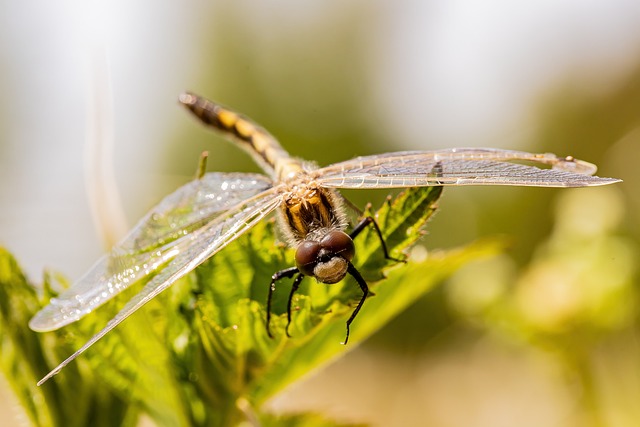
193,205
460,166
161,235
204,243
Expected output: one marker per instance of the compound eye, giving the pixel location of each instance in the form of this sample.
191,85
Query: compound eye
307,257
338,243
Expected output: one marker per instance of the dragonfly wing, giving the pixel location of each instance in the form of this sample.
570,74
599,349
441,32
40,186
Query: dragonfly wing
460,166
155,240
193,205
204,243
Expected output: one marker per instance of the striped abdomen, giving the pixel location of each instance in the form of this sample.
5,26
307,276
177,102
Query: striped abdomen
253,138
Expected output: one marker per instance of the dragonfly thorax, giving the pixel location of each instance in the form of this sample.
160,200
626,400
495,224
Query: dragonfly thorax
326,259
309,211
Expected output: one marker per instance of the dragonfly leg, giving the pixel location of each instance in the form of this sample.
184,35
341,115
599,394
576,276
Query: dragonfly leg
294,288
362,225
288,273
365,292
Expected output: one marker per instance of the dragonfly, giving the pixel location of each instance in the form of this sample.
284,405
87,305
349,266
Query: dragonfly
204,216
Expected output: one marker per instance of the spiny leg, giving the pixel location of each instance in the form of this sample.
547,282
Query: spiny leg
362,225
356,275
294,288
288,273
365,292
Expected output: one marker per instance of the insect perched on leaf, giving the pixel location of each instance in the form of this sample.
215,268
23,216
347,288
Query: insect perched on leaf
205,215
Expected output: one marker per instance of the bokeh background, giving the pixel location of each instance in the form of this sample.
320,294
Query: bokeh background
91,136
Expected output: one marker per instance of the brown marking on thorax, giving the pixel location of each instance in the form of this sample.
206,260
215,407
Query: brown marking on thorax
309,209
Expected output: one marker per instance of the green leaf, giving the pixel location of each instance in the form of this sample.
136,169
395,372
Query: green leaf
26,356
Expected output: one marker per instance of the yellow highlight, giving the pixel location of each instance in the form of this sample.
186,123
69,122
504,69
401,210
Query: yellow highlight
296,222
244,128
227,118
260,142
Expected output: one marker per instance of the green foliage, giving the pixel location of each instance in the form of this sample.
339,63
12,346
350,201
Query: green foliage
26,356
199,354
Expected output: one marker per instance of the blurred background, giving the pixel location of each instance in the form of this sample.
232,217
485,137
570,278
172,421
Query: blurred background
91,136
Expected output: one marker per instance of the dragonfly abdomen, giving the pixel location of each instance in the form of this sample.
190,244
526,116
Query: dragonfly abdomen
254,139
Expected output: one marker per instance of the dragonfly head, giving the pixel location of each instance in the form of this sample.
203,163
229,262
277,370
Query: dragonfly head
326,259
